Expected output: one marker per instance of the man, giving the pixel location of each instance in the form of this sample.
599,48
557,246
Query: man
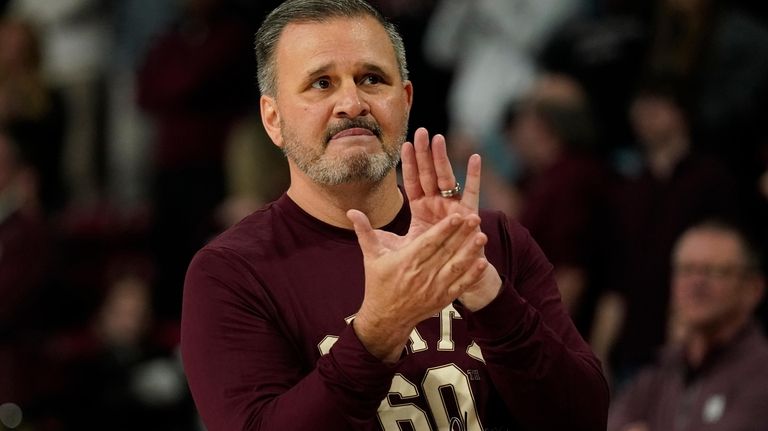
426,316
713,376
552,133
674,187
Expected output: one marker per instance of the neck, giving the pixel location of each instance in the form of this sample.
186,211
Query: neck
663,157
379,201
549,153
700,342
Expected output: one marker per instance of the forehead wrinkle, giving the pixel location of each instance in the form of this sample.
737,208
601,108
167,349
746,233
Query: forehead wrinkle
362,40
359,66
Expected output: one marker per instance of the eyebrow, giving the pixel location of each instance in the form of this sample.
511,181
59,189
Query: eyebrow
370,67
375,68
319,71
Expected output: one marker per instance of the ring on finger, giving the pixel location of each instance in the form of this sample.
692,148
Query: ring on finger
456,191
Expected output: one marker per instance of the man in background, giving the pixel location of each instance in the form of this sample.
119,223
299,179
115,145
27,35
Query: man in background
712,376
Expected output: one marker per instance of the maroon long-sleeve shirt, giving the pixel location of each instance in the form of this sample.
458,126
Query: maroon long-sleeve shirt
267,346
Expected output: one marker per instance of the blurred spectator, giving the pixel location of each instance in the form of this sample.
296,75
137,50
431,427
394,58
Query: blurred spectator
256,172
720,54
712,375
136,23
23,265
196,84
87,240
673,188
118,373
76,41
605,53
30,110
491,46
564,186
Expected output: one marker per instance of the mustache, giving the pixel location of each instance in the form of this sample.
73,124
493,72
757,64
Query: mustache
361,123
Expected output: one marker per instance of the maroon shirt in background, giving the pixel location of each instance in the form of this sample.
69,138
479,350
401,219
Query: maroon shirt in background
563,207
267,298
196,83
728,393
652,214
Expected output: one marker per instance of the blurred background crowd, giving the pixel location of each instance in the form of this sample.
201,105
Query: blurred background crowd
130,135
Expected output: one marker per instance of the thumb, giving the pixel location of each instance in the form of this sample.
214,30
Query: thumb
366,237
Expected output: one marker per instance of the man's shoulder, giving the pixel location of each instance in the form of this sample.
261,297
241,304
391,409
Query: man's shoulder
496,224
753,347
492,219
509,242
253,234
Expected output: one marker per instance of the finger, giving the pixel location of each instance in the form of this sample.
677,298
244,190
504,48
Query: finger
429,243
471,195
410,172
445,177
453,245
469,278
366,237
463,259
427,176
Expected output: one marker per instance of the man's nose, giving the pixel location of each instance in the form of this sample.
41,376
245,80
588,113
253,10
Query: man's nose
351,102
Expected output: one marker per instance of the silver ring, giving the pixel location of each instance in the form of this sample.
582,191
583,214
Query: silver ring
456,191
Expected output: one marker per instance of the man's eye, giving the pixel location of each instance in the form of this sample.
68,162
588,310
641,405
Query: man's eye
372,79
322,84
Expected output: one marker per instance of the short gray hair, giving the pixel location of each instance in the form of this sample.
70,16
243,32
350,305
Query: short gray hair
295,11
751,252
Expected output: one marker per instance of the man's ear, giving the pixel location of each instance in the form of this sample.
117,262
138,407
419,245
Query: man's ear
270,118
408,87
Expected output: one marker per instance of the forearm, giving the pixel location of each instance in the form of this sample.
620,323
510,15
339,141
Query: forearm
343,391
246,373
546,382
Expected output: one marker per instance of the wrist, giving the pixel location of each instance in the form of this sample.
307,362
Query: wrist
382,339
486,291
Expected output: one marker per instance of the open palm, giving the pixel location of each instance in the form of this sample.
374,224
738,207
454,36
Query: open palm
426,171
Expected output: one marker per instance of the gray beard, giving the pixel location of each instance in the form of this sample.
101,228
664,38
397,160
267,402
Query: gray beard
329,171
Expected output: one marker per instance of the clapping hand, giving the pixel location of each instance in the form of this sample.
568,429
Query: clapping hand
409,278
427,172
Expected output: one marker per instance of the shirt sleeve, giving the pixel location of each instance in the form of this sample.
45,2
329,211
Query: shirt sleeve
545,372
243,371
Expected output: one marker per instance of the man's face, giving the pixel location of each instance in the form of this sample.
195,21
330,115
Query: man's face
341,110
655,119
533,139
711,286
